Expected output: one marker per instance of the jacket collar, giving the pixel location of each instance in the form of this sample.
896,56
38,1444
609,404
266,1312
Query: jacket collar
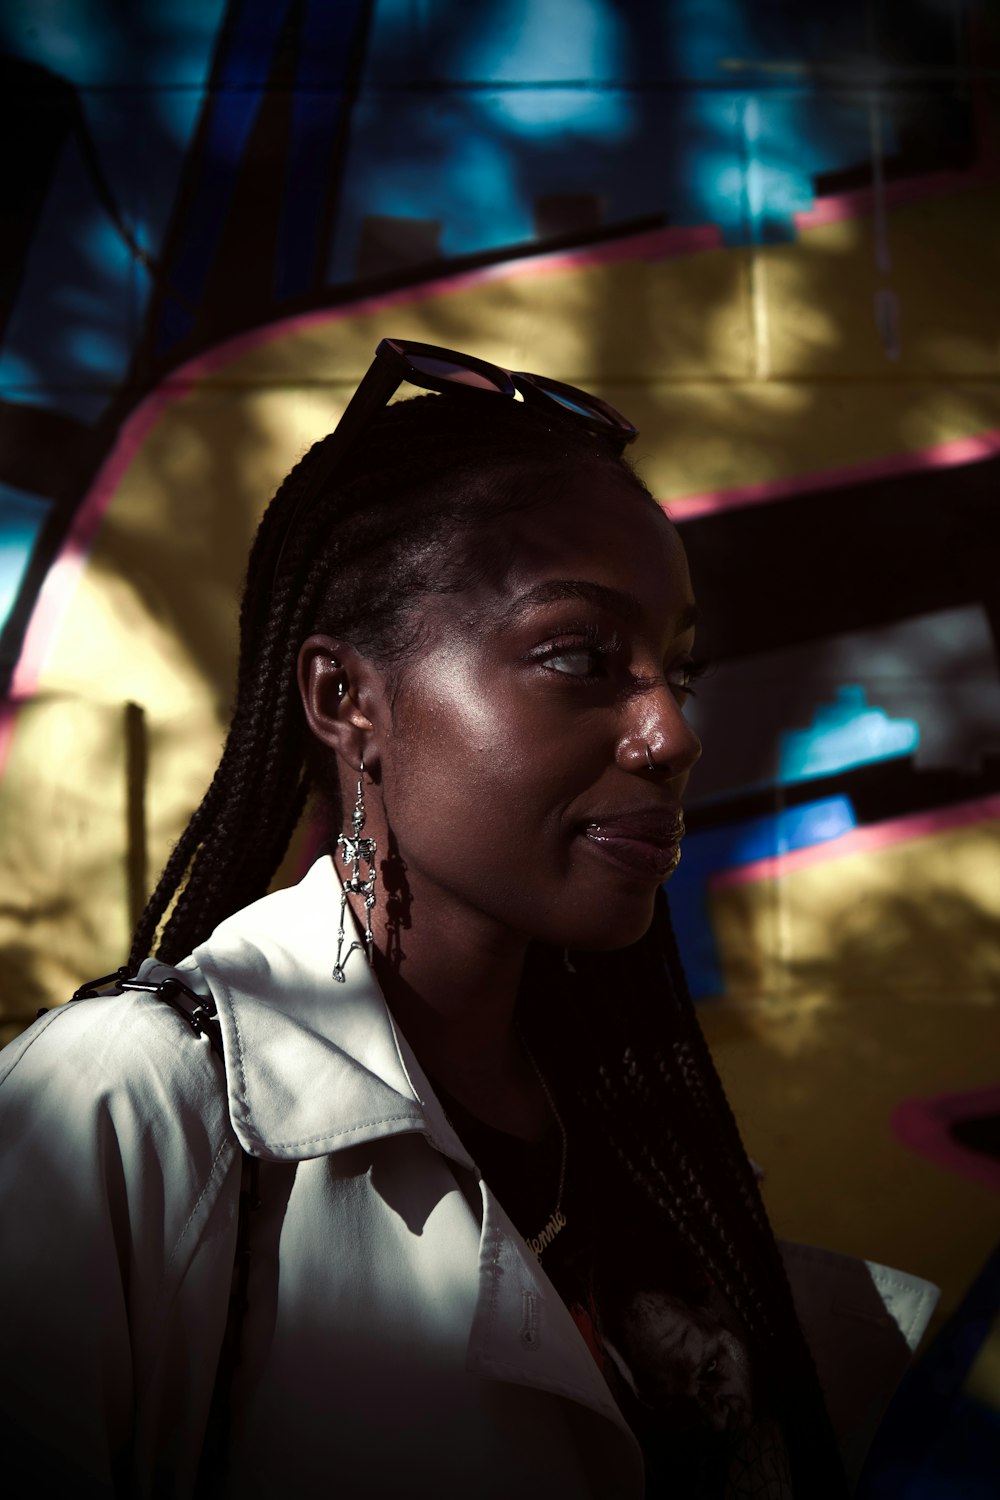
311,1065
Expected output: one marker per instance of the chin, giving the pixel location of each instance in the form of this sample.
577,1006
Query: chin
613,927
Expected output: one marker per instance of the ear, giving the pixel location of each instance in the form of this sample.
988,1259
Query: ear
342,694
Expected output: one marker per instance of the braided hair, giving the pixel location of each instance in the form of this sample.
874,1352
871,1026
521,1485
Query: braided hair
397,523
403,518
622,1047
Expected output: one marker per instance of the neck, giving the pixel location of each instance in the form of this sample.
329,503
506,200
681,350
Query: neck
455,1000
452,987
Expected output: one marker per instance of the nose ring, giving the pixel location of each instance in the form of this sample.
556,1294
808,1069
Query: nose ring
650,765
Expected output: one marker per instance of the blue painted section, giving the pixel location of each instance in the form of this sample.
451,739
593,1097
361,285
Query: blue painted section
138,71
478,161
21,519
468,115
647,41
716,849
562,41
314,123
846,733
317,114
535,99
69,339
103,43
232,110
936,1442
730,39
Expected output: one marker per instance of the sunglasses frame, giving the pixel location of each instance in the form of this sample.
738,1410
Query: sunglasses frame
392,367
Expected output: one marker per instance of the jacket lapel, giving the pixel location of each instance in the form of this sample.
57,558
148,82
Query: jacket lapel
313,1066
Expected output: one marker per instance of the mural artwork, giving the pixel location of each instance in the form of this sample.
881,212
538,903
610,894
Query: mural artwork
767,232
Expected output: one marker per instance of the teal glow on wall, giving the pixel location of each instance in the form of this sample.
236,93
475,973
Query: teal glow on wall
847,732
21,519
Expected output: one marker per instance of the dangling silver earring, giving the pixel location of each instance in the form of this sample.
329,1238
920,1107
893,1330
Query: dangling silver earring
354,850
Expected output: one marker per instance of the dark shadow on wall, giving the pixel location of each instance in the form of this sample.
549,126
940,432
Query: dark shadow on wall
847,559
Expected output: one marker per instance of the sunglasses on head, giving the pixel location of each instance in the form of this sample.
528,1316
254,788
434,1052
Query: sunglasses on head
460,375
448,371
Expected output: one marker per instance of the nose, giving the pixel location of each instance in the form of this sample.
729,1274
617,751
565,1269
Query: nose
657,739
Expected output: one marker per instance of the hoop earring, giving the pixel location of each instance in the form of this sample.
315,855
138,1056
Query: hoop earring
353,850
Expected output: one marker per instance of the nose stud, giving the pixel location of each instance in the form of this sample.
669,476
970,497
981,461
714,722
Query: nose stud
650,765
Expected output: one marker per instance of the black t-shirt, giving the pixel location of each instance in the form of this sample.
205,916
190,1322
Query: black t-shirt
670,1346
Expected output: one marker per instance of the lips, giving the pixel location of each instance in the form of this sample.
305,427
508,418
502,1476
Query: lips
644,844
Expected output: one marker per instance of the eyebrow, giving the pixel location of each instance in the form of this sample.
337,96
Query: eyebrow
616,601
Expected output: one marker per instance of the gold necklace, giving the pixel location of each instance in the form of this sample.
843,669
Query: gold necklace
556,1220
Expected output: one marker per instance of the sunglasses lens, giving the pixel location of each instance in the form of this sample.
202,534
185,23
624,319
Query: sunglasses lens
590,409
578,406
455,374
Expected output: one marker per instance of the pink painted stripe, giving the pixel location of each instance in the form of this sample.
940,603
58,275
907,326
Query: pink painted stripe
859,841
60,581
922,1126
950,454
656,244
861,202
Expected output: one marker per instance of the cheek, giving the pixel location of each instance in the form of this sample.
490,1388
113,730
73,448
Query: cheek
485,776
455,753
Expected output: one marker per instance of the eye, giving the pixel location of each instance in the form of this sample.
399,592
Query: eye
584,653
577,661
683,674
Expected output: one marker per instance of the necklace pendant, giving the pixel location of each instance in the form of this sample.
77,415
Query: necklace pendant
543,1240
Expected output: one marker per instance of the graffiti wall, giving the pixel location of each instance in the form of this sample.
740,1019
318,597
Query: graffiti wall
768,233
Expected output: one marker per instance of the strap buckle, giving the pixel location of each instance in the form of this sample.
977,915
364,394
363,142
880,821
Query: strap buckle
198,1012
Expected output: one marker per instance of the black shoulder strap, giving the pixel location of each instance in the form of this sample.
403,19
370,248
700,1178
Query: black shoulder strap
214,1462
200,1013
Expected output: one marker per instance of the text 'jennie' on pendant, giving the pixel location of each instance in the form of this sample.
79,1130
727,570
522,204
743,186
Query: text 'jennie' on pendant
540,1242
557,1219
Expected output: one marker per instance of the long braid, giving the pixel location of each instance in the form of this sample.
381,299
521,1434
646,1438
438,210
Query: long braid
641,1083
704,1086
811,1439
223,805
676,1191
711,1101
671,1171
267,779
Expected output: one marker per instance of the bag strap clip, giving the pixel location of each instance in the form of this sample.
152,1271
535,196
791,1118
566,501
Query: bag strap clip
198,1011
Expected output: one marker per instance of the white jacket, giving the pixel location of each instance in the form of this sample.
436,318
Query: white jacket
399,1334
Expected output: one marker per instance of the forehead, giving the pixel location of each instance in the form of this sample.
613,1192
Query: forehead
599,530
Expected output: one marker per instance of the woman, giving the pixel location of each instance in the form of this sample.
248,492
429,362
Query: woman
423,1175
